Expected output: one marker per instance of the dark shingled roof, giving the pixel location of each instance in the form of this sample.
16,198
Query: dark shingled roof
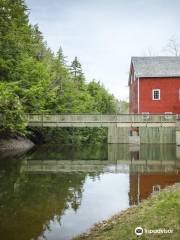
156,66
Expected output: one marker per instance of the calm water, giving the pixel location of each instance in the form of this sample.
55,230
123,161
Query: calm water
57,192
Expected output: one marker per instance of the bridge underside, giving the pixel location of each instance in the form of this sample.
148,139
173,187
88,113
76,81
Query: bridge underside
144,133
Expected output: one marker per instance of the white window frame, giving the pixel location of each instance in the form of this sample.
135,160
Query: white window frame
154,90
156,188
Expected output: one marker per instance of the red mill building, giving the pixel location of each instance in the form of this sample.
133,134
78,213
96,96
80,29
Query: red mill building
154,84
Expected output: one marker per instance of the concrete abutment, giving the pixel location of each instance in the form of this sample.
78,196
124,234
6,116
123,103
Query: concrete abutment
142,135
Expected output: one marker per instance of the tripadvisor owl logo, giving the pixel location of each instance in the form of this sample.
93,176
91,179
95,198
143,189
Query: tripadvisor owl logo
138,231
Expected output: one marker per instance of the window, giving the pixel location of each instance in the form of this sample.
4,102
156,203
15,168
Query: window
156,188
156,94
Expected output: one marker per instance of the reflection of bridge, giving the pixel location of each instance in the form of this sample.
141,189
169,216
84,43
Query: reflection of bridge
151,128
120,158
98,166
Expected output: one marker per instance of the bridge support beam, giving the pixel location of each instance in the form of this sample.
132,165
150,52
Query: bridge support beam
118,134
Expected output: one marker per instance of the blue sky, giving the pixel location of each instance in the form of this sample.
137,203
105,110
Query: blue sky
104,34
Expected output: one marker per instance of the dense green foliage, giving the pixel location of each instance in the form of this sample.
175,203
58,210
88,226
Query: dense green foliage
11,112
34,80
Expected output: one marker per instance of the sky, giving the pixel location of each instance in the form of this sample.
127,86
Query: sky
105,34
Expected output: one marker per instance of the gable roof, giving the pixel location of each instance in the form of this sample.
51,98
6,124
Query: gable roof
156,66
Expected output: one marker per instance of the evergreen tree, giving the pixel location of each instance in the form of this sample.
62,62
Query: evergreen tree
60,56
34,80
76,69
77,73
15,35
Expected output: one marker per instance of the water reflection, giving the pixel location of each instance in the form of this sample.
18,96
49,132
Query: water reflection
55,192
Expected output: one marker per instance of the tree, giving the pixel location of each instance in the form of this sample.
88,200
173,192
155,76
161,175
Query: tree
149,52
15,35
12,116
60,57
76,69
77,74
103,101
34,80
123,107
173,47
60,69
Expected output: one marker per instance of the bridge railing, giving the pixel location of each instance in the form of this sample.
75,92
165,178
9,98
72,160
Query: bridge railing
120,118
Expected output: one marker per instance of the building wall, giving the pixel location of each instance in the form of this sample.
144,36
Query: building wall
133,94
169,95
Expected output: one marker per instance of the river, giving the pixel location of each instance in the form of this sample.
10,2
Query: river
56,192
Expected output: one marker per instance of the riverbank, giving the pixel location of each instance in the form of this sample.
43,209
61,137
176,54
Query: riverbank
160,211
15,143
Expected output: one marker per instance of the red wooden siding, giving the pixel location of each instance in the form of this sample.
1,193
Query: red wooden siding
169,95
133,94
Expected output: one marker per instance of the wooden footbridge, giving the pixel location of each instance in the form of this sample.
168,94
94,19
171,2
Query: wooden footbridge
122,128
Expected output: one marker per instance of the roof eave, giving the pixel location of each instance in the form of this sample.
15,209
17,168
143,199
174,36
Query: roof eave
157,76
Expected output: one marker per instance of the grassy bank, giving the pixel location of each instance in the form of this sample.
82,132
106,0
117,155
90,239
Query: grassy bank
161,210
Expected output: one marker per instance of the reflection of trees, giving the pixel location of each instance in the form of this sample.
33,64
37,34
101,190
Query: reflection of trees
29,201
69,152
76,196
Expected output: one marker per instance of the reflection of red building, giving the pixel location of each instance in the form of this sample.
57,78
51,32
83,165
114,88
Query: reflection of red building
143,185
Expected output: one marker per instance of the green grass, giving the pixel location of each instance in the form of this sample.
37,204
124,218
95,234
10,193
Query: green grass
161,210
